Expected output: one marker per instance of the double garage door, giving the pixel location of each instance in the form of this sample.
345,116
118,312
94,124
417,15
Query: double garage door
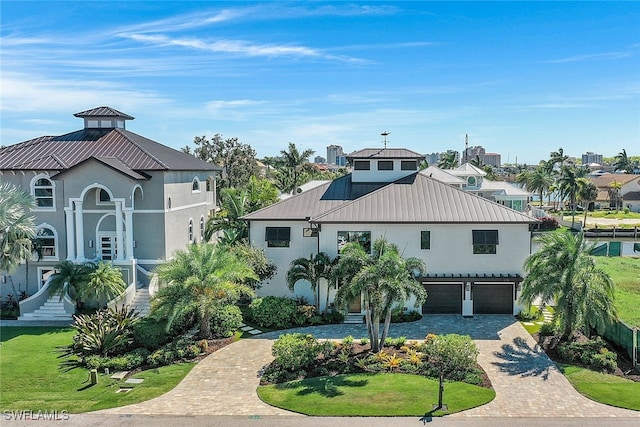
446,298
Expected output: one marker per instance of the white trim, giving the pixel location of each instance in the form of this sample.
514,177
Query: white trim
96,185
41,272
32,186
190,232
101,203
133,195
150,261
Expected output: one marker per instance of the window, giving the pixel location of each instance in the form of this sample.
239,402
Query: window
471,181
46,239
103,196
361,165
43,193
485,241
385,165
425,240
195,185
120,124
202,228
106,124
277,237
516,205
92,124
190,231
408,165
361,237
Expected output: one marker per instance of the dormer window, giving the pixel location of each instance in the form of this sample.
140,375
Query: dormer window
385,165
362,165
408,165
471,181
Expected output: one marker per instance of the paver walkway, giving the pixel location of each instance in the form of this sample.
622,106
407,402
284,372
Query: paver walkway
527,382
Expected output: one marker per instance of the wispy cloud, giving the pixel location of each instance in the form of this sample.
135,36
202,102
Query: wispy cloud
605,56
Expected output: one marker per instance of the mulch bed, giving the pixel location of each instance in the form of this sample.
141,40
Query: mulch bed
624,369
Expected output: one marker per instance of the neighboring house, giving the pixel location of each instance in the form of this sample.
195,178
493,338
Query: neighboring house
474,248
627,196
105,193
472,179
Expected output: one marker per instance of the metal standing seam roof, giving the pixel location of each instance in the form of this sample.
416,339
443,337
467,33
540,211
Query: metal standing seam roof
415,198
385,153
419,199
65,151
103,112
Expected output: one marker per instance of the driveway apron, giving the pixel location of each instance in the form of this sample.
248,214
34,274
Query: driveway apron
526,381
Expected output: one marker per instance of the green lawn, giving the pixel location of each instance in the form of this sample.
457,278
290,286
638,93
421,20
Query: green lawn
372,395
625,272
32,376
603,388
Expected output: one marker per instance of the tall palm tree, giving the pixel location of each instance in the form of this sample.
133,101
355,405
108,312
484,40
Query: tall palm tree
233,205
311,269
384,279
17,227
536,180
295,162
200,281
557,158
564,271
622,162
587,193
569,185
103,283
614,194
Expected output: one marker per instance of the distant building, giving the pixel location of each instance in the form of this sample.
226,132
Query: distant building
434,158
590,157
492,159
471,153
333,152
319,160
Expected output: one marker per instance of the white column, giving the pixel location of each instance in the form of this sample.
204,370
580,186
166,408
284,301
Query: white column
119,232
71,246
79,232
128,219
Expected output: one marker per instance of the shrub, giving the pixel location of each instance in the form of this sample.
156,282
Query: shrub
528,314
273,312
549,223
452,355
333,317
547,329
593,353
401,316
295,351
182,348
106,332
226,321
126,362
150,333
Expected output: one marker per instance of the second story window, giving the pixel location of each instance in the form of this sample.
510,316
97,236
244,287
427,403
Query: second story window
277,237
46,239
195,185
385,165
425,240
408,165
485,241
190,231
42,190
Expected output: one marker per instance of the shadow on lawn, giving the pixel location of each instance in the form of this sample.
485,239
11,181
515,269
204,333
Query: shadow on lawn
521,359
324,386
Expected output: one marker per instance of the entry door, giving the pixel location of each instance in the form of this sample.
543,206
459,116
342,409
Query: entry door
107,247
356,305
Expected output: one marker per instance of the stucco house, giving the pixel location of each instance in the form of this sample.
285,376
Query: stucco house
627,196
474,248
106,193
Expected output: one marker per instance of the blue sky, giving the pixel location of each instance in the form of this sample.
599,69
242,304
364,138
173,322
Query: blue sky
520,78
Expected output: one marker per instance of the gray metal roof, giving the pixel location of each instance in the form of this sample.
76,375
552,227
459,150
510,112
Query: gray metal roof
415,198
103,112
421,199
385,153
65,151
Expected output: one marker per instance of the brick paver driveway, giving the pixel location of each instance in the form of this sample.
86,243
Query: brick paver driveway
527,382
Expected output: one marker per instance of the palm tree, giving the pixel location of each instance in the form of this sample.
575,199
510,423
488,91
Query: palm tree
384,279
557,157
448,160
536,180
17,228
587,193
568,184
295,162
614,194
70,279
563,271
622,162
103,283
233,202
200,281
311,269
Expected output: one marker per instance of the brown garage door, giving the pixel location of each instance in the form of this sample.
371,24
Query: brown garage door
493,299
443,299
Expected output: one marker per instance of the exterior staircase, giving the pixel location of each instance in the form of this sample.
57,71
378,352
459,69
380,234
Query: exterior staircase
142,301
52,309
354,318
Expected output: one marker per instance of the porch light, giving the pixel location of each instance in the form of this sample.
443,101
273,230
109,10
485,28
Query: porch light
90,243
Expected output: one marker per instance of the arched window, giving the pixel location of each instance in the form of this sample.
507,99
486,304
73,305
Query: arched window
202,227
42,189
190,231
471,181
195,185
47,239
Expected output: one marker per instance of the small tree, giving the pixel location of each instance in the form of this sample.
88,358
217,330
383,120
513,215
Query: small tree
70,278
103,283
17,227
448,354
311,269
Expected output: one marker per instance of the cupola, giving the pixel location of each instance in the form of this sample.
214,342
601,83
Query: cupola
103,118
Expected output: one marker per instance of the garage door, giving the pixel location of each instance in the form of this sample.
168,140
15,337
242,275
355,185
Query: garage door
493,299
443,299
